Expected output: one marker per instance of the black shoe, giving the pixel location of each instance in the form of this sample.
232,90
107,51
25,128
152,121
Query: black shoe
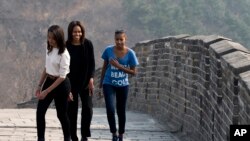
67,139
41,139
120,138
84,139
115,138
74,138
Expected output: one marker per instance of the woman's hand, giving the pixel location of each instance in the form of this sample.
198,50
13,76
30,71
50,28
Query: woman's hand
38,91
70,97
91,86
43,94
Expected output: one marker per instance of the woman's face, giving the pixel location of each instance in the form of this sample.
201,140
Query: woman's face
51,40
120,40
77,33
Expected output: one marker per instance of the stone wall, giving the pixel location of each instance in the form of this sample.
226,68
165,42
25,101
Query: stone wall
197,85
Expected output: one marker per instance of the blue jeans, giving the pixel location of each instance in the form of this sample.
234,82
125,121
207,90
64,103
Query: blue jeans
121,94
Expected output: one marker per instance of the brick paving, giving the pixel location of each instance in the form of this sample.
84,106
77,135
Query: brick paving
20,125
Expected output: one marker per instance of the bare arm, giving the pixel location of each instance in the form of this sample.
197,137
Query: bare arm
91,86
39,86
43,77
58,81
54,85
104,67
45,92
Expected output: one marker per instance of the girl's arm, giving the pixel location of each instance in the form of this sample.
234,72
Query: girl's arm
45,92
42,79
58,81
64,69
104,67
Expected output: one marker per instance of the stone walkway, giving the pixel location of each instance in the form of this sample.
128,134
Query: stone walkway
20,125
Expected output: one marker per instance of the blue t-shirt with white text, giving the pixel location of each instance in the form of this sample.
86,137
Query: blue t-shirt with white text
113,75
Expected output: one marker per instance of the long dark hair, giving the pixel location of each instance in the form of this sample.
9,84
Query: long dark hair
70,31
58,34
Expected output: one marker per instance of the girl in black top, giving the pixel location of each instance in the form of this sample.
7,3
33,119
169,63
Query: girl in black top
82,67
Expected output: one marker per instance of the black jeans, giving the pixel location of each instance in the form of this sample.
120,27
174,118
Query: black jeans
86,115
60,95
121,94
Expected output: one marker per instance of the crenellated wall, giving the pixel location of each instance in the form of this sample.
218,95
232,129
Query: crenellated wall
197,85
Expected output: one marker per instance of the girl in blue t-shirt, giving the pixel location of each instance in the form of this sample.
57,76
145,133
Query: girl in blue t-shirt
119,61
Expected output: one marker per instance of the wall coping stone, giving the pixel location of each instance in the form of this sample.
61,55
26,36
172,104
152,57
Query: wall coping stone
245,78
224,47
238,61
163,39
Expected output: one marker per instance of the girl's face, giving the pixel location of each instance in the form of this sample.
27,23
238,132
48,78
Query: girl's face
120,40
51,40
77,33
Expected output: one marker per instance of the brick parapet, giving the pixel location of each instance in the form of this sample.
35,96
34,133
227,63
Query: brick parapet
196,84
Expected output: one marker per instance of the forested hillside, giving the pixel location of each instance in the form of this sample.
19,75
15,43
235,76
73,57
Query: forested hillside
159,18
23,27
